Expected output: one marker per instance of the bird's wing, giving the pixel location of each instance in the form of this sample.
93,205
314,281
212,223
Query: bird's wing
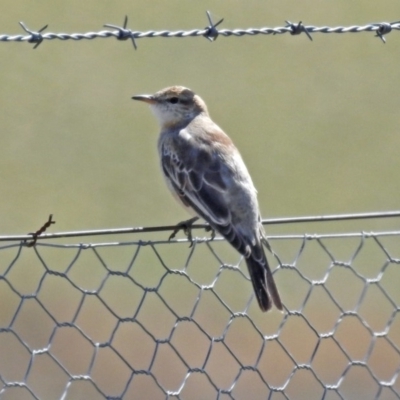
203,180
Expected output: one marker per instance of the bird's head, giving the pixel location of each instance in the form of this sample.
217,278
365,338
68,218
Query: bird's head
174,105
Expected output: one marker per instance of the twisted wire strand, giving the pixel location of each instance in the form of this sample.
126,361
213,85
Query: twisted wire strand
35,37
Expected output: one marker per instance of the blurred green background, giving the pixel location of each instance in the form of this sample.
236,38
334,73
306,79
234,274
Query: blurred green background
316,122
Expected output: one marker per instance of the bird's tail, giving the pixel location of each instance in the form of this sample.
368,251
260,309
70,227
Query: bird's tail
263,281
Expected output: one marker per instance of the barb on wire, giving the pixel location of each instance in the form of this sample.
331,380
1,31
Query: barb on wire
212,31
40,231
298,28
123,33
36,37
383,29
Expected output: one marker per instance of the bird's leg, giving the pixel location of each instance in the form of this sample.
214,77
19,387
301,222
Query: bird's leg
187,229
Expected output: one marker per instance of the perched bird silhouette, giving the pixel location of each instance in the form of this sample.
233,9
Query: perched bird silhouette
206,174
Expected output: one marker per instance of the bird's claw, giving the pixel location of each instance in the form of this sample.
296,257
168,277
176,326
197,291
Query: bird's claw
209,228
186,226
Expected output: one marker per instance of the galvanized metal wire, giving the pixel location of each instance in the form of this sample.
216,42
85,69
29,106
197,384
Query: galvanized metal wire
159,319
210,32
40,235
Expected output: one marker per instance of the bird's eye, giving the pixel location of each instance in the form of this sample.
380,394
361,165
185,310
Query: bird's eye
173,100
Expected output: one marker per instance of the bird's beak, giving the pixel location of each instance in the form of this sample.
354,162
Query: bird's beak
147,98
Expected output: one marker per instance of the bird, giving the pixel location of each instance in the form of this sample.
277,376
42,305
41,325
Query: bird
207,175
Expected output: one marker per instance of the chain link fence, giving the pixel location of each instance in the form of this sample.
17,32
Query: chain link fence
154,319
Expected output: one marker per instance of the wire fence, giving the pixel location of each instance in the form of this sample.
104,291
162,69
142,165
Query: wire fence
211,32
157,319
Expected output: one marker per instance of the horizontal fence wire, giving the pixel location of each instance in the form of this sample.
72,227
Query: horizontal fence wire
157,319
210,32
136,230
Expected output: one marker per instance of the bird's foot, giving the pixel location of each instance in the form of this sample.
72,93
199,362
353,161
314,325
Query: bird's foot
186,226
209,228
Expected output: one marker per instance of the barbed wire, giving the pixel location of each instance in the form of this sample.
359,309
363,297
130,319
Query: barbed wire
210,32
39,235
